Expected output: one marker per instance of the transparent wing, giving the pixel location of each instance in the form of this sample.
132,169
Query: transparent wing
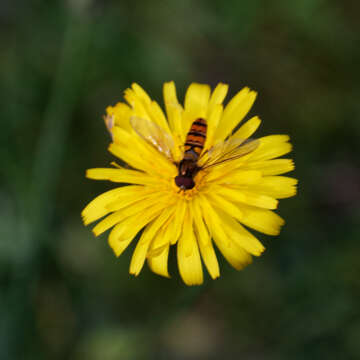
109,123
154,135
228,150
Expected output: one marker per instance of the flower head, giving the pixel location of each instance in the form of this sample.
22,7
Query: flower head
225,181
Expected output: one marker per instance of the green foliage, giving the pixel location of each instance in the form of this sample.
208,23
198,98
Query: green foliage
64,295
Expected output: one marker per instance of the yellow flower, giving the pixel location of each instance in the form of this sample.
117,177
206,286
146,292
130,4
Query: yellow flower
241,191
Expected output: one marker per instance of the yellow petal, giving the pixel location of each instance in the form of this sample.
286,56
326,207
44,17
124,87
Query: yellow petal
187,241
153,201
188,255
173,108
212,220
196,103
218,96
200,227
133,144
272,167
159,250
122,234
117,244
108,222
150,161
121,113
262,220
270,147
176,226
225,205
212,124
165,235
120,176
159,264
97,208
233,177
247,129
158,116
139,256
178,125
138,107
152,108
278,187
234,112
126,147
234,254
197,99
239,235
210,260
248,197
206,247
141,93
243,177
139,193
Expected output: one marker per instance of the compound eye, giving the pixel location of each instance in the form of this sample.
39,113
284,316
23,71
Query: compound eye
184,182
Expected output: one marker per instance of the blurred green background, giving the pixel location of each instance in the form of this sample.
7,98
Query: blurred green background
64,295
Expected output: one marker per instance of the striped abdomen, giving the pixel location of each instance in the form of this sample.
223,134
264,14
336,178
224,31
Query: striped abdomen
195,139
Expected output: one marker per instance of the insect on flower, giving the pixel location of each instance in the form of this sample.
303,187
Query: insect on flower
192,178
194,158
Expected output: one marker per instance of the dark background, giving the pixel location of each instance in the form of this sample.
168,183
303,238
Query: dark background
64,295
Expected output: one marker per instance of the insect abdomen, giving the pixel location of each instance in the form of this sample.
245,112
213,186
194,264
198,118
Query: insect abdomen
196,137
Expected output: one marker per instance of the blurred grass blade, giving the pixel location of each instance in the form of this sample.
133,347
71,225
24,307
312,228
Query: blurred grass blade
52,140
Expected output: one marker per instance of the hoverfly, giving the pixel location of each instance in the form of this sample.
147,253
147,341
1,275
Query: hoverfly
194,157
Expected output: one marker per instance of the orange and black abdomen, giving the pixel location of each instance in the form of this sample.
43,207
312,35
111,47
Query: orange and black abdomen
195,138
